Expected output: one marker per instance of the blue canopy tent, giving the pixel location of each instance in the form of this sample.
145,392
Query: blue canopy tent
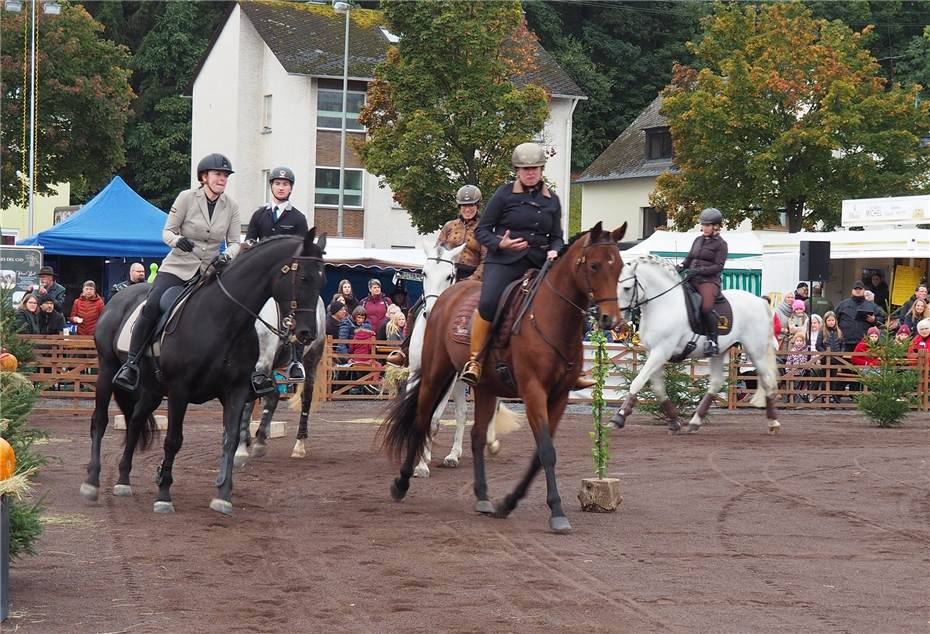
99,242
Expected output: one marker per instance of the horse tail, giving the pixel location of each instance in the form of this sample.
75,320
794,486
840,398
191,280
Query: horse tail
506,420
149,431
767,369
400,433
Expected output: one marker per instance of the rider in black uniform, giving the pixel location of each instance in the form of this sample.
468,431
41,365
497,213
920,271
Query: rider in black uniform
276,218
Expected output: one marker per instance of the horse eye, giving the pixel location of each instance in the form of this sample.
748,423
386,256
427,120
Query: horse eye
450,278
595,266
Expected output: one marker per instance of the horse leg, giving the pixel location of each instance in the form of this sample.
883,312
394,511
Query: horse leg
653,363
763,357
422,468
484,410
245,439
458,395
269,406
177,407
494,445
141,414
713,386
306,400
668,407
90,488
232,405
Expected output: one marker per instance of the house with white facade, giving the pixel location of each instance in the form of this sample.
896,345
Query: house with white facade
616,186
268,92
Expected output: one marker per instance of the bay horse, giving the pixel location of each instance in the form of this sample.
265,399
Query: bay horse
438,276
651,284
209,352
544,357
273,353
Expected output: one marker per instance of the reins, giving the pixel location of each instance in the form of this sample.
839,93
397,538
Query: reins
439,259
637,304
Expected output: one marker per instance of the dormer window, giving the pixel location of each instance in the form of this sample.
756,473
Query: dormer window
658,144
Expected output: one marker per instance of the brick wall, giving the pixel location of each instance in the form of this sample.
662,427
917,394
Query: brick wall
353,221
327,148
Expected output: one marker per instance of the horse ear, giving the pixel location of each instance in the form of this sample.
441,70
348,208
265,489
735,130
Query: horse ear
427,246
596,230
618,233
321,243
308,239
454,254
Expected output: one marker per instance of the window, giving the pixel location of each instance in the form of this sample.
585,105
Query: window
266,113
266,186
329,109
327,187
658,144
653,219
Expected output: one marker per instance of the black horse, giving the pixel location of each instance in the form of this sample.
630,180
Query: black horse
210,352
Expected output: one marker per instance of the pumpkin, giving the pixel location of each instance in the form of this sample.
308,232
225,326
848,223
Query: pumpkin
8,362
7,460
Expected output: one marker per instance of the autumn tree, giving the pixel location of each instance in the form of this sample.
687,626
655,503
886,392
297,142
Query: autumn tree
83,97
786,113
443,110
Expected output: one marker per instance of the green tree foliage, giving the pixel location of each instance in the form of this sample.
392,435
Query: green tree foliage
786,113
601,450
619,53
914,66
891,386
82,106
442,110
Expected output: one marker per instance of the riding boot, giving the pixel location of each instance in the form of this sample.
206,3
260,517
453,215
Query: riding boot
295,370
710,325
480,330
127,377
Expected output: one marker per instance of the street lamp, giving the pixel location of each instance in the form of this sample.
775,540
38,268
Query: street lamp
346,8
49,7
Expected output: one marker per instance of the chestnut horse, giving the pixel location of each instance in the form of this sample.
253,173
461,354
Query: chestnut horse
544,358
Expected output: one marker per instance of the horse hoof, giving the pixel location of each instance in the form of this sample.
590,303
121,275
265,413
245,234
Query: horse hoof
618,421
122,490
485,507
560,525
299,451
396,492
774,428
421,471
674,427
494,448
89,492
501,509
221,506
164,507
259,449
240,459
450,462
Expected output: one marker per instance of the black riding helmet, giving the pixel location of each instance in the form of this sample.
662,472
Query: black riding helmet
216,162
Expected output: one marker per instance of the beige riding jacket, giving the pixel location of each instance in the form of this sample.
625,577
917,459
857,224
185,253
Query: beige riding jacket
189,218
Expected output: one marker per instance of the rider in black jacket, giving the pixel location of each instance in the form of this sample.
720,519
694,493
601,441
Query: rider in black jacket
705,261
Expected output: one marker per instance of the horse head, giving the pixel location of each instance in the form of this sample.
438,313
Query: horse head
297,290
596,263
645,276
438,272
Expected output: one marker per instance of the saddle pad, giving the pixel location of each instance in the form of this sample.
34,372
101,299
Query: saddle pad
507,309
721,305
125,333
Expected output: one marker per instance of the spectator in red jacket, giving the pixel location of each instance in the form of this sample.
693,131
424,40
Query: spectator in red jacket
86,309
921,341
862,354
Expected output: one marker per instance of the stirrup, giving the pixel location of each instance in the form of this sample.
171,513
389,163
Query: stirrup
127,377
262,384
472,373
296,373
711,349
397,358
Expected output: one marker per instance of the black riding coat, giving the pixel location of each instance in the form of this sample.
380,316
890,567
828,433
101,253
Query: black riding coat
706,259
262,225
851,316
534,215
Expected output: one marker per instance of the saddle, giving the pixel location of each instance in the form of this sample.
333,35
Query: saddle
170,304
721,305
510,308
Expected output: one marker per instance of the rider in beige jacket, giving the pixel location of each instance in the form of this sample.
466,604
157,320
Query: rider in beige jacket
200,221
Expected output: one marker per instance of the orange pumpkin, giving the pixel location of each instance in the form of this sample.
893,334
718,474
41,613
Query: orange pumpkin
8,362
7,460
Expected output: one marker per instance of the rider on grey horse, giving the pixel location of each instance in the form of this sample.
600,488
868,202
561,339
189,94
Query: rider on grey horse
200,220
280,217
705,263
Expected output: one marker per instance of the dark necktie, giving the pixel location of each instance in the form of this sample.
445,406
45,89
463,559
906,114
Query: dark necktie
275,213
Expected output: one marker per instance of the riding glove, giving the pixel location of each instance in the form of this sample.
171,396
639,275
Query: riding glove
680,268
185,244
220,261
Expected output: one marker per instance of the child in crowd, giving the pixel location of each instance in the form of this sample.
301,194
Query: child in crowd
396,327
862,354
797,322
921,341
797,358
903,336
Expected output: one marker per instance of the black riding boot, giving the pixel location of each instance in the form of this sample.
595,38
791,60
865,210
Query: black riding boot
295,370
127,377
710,325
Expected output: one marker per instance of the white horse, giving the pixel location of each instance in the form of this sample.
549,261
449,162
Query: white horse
438,275
270,350
652,284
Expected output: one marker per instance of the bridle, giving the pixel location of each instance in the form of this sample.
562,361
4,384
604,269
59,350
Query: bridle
581,259
289,321
639,286
439,259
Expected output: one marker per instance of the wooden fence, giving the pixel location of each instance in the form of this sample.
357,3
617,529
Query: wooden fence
66,368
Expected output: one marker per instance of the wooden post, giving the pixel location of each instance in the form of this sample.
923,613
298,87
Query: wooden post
4,559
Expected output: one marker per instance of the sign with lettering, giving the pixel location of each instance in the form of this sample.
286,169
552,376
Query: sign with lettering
19,268
897,210
906,279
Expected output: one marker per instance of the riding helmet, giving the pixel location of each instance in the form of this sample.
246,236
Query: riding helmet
711,216
282,172
216,162
528,155
468,195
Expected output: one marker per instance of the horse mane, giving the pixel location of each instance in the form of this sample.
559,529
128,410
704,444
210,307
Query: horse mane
245,251
649,258
603,237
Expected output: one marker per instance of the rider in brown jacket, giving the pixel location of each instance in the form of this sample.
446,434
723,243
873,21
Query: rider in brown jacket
705,262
